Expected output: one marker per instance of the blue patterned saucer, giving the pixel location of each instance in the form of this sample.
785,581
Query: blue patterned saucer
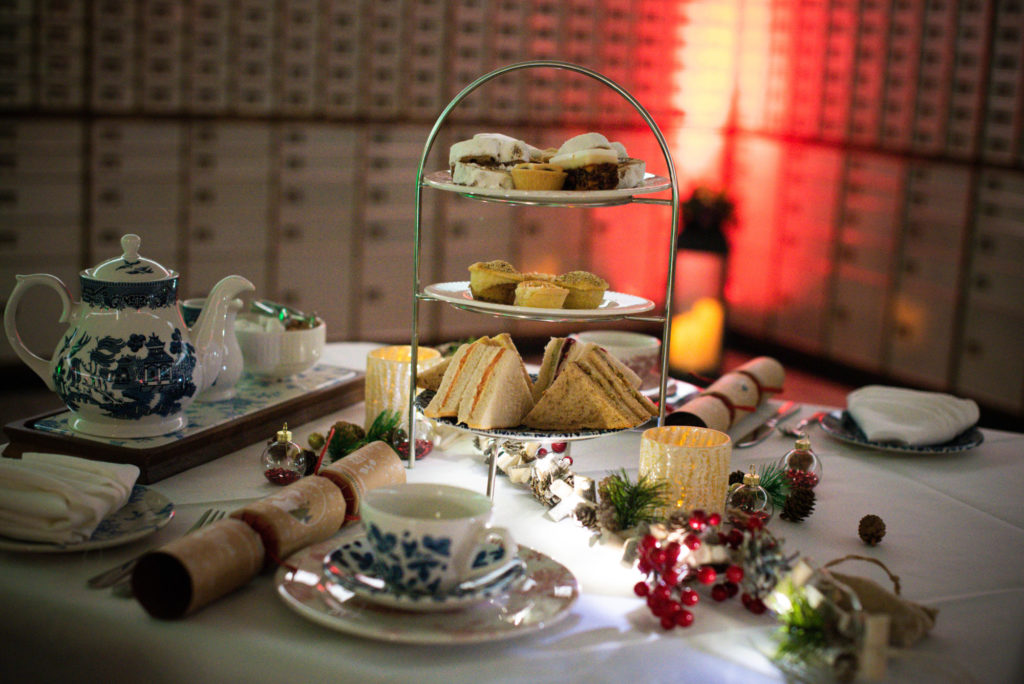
145,512
352,566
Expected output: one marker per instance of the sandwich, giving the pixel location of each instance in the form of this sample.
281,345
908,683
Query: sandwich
486,160
468,369
575,401
498,393
445,403
562,350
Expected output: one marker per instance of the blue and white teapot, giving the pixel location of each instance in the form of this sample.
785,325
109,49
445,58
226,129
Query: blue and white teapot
128,366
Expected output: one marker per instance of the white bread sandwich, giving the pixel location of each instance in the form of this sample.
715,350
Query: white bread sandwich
497,394
575,401
431,377
486,160
445,403
458,375
560,351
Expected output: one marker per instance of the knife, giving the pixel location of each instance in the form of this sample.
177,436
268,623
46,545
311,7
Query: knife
761,432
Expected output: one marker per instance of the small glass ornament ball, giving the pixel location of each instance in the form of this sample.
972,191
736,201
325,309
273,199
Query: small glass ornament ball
801,465
283,461
749,500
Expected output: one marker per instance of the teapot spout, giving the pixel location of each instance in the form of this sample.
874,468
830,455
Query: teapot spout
208,332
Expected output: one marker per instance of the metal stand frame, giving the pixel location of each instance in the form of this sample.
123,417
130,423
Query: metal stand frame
419,295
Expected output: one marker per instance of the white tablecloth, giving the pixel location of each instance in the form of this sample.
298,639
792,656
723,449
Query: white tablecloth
955,536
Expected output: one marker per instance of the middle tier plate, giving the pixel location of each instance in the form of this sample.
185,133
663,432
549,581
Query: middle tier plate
614,305
520,432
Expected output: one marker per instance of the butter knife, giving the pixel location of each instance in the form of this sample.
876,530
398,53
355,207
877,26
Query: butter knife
761,432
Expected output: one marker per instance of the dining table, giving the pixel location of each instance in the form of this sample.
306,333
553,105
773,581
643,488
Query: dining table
954,535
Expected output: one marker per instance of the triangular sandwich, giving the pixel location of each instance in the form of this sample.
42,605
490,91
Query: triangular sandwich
560,351
445,402
575,401
497,394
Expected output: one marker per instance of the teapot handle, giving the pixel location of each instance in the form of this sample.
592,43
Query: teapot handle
41,366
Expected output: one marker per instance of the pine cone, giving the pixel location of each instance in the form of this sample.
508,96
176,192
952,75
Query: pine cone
736,477
539,485
871,529
678,519
799,504
607,516
586,515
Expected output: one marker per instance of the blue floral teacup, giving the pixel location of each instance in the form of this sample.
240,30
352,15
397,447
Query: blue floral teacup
429,538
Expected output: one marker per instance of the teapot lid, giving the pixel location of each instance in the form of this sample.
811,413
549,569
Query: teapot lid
129,267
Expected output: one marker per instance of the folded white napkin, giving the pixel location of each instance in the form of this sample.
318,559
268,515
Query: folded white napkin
913,417
60,499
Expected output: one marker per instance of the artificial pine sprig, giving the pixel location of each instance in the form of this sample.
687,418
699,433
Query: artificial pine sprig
347,437
775,482
802,628
633,502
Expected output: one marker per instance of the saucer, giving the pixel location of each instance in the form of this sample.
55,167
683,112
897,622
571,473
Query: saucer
541,599
353,567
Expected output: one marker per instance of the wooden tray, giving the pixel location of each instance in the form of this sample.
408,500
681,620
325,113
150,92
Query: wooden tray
162,457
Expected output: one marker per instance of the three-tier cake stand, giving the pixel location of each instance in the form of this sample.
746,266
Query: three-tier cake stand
572,199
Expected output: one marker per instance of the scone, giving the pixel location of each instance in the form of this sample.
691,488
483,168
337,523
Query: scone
494,281
540,294
586,290
538,177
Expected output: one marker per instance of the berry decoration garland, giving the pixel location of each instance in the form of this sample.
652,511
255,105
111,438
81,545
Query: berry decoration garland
697,552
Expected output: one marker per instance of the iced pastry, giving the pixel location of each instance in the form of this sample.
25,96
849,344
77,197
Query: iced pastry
486,159
631,170
589,162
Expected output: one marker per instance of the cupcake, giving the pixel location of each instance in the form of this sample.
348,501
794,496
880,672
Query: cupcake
494,281
586,290
538,177
540,294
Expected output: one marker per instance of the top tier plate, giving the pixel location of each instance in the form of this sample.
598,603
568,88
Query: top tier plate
442,180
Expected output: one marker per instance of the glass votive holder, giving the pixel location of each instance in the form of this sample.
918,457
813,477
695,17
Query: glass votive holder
387,379
692,461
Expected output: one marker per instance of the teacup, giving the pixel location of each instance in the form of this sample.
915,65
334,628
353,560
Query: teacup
639,352
430,538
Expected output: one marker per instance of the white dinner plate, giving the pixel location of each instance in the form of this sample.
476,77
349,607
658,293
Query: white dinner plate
541,599
614,305
146,512
442,180
841,426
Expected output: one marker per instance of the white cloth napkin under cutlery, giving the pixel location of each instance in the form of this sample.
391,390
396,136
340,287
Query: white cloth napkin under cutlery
906,416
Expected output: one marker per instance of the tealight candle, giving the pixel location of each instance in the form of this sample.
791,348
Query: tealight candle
692,461
387,379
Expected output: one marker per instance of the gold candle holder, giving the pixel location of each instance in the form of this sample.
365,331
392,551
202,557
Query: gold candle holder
692,461
387,379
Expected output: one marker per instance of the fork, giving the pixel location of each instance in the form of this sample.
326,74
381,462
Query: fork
798,429
119,573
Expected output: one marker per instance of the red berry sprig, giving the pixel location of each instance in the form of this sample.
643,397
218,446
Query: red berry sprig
672,570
